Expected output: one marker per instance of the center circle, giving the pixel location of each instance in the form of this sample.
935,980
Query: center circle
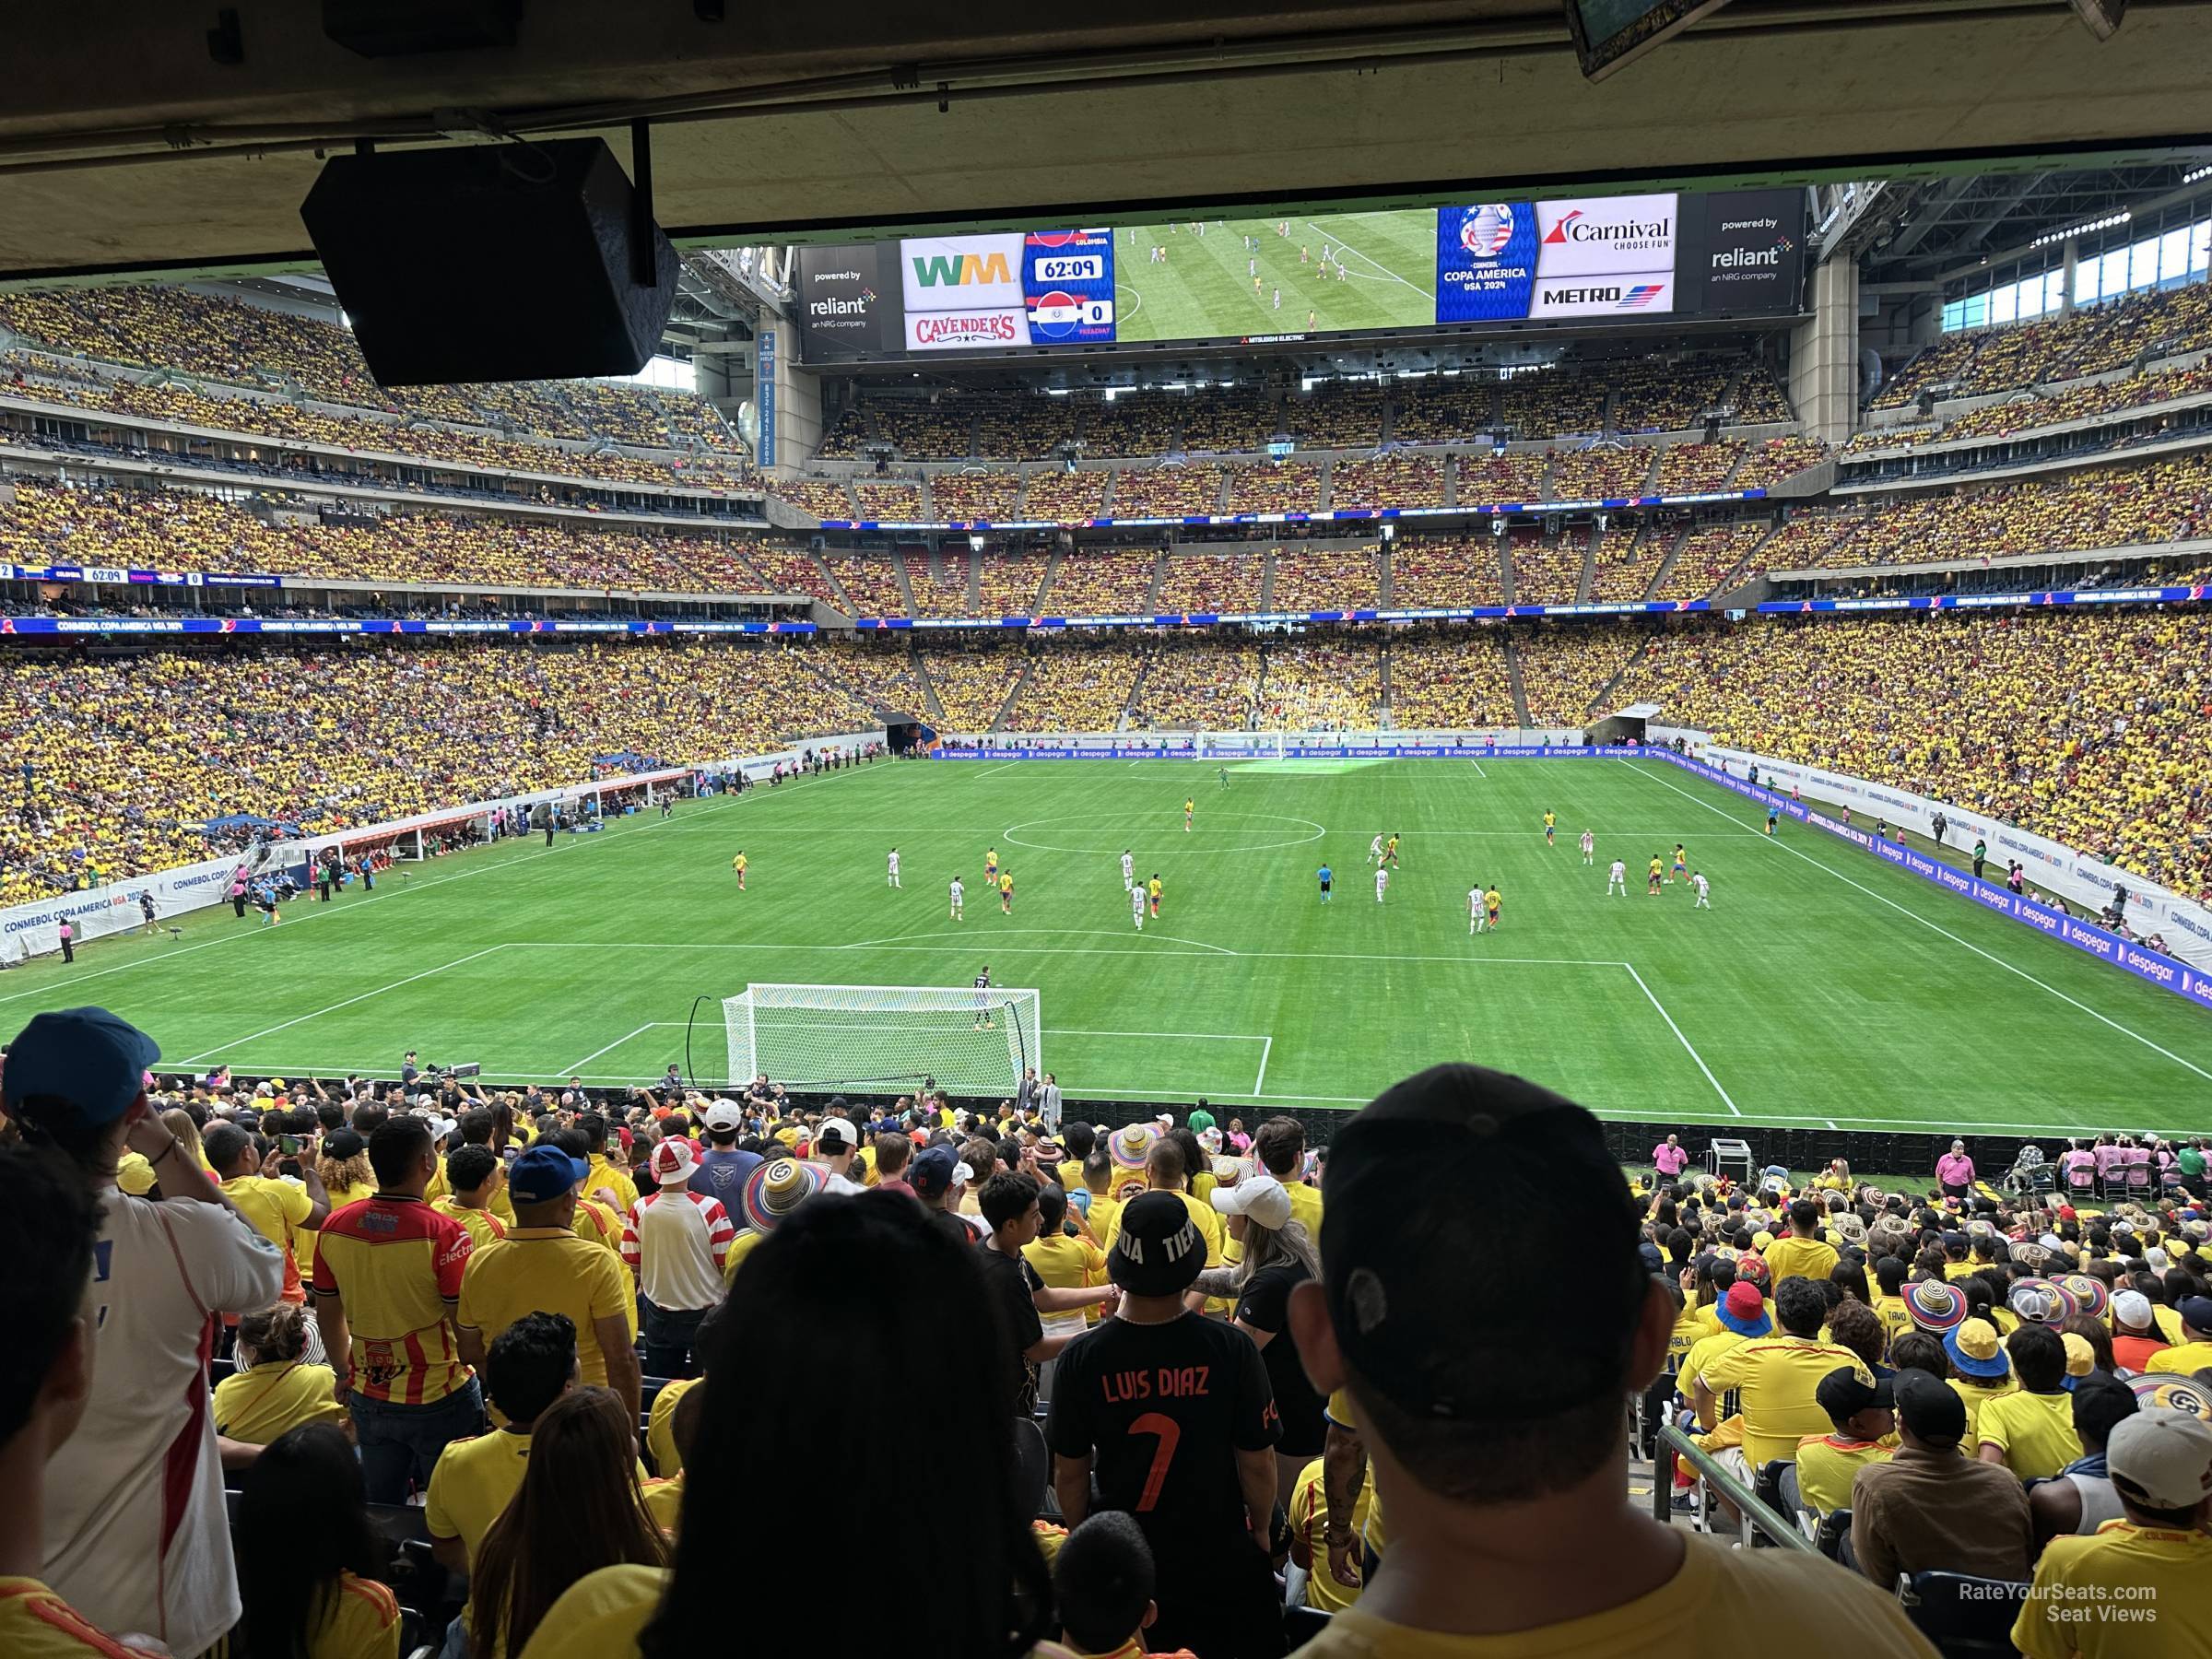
1277,839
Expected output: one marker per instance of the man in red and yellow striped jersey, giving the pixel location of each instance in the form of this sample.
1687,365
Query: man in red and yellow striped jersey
387,1280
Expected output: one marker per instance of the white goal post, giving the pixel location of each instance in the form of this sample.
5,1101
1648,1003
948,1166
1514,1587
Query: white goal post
885,1039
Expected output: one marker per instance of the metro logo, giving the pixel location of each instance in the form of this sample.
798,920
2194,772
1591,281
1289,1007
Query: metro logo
938,270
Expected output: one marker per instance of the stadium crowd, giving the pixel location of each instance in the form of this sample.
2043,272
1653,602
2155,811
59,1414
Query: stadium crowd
2090,340
1191,1393
2086,728
123,757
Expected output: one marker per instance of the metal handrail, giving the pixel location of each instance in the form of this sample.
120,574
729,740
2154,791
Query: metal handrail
1755,1511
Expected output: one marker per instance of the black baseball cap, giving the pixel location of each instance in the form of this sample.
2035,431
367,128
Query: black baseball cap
1159,1252
1843,1393
1450,1306
1930,1407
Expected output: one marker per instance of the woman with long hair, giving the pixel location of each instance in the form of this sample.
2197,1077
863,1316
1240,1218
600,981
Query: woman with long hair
178,1122
579,1508
865,1292
306,1554
1278,1255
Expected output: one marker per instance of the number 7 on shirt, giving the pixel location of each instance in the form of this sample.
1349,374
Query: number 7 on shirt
1169,1432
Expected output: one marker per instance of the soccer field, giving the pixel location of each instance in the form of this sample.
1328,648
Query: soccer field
1205,289
1822,988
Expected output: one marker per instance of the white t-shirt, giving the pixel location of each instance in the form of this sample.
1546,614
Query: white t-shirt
957,890
894,864
1136,900
1619,870
677,1239
1474,900
1374,846
137,1539
1588,841
1381,881
1699,883
1128,866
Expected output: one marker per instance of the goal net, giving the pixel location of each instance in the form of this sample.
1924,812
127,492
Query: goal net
884,1038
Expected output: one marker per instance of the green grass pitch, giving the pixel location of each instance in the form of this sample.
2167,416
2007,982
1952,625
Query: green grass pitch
1822,988
1204,289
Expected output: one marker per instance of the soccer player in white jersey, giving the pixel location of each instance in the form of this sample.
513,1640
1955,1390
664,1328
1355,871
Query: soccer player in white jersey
1475,908
1128,870
1137,906
957,893
1381,881
1589,847
1704,890
1374,850
892,878
1617,880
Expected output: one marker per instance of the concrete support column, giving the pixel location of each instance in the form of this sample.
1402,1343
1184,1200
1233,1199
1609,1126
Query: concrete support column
1824,353
2065,297
788,399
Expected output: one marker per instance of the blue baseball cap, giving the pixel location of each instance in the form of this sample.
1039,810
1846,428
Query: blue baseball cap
543,1175
89,1057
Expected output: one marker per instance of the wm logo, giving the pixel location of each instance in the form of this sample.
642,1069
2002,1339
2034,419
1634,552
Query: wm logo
959,270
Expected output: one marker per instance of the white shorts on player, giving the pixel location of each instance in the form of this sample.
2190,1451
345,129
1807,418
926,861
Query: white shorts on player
1381,881
956,893
1617,880
892,880
1128,872
1136,906
1704,890
1474,910
1589,848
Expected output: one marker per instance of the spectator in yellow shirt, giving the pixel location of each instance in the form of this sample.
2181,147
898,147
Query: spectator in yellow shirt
307,1554
278,1210
2193,1352
1865,1414
532,1363
1801,1253
2031,1430
275,1388
2157,1558
581,1507
475,1177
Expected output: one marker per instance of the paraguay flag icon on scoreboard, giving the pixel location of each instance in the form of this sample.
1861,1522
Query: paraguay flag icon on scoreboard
1067,286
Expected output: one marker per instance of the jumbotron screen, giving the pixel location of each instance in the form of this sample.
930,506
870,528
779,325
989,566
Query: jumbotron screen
1574,261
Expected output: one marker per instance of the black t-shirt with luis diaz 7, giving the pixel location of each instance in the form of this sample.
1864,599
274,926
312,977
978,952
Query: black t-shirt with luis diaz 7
1165,1407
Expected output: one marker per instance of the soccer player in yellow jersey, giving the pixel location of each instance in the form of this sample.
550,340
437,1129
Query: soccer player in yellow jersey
1152,893
737,864
1390,852
1006,892
1189,806
1657,876
1490,902
991,868
1551,824
1681,870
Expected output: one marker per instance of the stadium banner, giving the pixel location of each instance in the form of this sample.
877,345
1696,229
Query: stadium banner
2076,877
2135,596
331,624
848,303
34,929
2181,970
764,397
1335,515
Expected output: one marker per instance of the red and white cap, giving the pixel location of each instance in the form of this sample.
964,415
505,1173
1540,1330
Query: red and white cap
673,1162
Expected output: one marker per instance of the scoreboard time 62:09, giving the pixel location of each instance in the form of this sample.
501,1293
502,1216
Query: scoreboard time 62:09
1067,286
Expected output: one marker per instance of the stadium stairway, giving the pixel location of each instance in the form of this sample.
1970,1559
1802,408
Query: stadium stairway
1666,564
845,600
929,687
1159,577
1513,679
1589,572
1268,581
1005,705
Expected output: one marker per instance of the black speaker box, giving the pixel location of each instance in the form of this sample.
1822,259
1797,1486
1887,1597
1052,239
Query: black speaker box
498,262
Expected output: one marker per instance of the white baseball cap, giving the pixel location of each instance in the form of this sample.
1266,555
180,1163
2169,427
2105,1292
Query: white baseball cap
1262,1199
724,1114
836,1133
2161,1458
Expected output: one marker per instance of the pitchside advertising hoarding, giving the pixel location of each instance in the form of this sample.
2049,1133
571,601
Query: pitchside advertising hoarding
1570,260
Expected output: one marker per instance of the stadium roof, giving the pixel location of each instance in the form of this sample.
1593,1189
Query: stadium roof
134,139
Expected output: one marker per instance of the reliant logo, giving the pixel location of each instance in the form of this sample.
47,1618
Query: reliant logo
841,306
962,270
1579,227
1737,259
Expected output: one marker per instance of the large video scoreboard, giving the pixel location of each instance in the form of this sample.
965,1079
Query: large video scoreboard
1501,265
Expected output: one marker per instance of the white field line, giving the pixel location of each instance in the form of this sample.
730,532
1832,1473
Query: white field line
1683,1040
1326,956
1934,927
1259,1084
577,1068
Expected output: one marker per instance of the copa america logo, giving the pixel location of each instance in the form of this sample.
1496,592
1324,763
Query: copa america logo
1484,231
